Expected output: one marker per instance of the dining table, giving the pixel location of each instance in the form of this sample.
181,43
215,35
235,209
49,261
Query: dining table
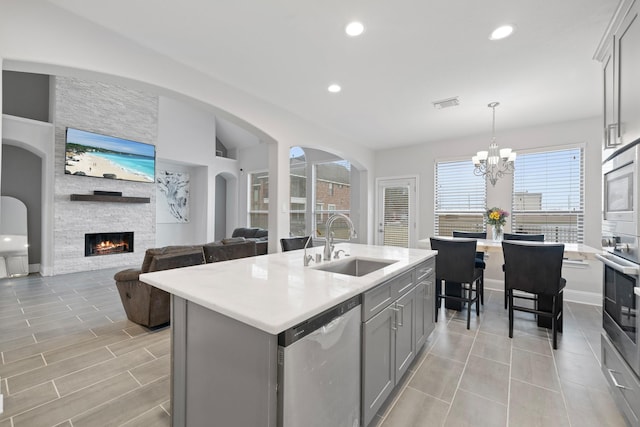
572,252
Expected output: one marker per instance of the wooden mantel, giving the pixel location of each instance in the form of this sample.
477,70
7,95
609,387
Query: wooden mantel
113,199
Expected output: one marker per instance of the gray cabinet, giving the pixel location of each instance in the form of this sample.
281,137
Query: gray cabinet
425,304
405,311
610,137
619,52
624,385
378,361
397,319
627,49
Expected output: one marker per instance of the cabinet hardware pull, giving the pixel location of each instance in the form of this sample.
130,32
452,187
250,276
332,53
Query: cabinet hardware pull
400,323
424,272
607,137
408,285
394,321
611,372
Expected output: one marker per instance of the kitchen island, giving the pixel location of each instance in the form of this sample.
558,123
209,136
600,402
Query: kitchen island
226,318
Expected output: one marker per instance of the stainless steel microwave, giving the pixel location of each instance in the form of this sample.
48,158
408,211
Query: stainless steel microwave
621,193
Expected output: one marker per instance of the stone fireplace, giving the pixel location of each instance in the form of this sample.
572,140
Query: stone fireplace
96,244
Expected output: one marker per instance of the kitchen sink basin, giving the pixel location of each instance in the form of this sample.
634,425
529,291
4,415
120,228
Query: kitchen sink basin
356,266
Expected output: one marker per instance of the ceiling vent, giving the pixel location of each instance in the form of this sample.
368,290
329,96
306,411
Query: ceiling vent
446,103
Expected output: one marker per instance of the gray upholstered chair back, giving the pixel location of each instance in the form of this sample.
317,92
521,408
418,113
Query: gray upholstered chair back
533,268
293,243
456,259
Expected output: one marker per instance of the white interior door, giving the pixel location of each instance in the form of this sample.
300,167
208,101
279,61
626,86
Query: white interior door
395,213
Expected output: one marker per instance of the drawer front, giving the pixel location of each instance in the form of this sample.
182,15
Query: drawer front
424,269
403,283
624,384
376,299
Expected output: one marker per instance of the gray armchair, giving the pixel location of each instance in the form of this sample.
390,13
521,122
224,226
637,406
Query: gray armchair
146,304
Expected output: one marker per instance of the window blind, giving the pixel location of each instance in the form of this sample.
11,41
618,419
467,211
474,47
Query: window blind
460,198
396,216
548,195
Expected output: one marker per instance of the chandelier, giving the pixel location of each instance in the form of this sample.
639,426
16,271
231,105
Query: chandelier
495,163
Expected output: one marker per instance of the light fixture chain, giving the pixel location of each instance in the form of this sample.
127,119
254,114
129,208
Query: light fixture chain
494,163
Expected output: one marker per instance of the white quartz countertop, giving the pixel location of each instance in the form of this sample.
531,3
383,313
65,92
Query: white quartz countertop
275,292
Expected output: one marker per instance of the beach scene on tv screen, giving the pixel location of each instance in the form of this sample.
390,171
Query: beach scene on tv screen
92,154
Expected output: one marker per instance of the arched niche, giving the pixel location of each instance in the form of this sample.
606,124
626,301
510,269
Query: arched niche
32,142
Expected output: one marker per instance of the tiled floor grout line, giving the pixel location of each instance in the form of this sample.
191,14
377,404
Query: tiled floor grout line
564,399
141,415
464,369
134,377
400,392
413,373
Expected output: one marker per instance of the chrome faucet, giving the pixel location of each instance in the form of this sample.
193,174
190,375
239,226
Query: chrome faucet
307,258
328,243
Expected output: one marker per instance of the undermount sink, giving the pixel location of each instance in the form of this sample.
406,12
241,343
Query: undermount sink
355,266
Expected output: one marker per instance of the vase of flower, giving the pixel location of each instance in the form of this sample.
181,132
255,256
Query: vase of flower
496,218
496,233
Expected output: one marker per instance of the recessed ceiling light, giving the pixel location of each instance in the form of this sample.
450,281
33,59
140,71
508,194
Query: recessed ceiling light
354,28
334,88
501,32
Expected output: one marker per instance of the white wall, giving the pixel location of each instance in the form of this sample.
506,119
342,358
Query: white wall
186,143
420,160
39,37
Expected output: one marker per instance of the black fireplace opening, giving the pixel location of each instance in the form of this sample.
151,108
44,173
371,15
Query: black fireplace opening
96,244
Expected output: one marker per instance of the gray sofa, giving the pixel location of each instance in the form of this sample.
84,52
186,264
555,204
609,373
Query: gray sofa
259,235
149,306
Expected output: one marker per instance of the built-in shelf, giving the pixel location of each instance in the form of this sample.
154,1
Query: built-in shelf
113,199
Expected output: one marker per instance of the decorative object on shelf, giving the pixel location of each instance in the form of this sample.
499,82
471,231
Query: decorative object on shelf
172,197
496,218
495,163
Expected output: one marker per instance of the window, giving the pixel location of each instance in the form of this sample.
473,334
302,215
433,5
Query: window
460,198
259,200
297,192
332,188
548,195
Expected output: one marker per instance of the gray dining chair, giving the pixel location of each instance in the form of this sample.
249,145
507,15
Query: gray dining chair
455,263
294,243
480,264
536,270
521,237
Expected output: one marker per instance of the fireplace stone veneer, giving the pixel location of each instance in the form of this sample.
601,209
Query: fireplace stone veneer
96,244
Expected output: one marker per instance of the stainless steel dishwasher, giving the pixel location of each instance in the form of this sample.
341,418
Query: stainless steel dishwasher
319,369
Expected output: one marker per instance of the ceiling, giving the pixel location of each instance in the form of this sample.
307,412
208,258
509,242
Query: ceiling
413,52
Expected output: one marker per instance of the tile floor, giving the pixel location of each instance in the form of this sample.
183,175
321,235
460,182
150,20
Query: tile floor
71,358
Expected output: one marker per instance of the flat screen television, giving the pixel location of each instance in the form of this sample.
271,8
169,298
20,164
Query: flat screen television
102,156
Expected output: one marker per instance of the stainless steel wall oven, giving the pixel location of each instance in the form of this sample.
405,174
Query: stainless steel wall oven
621,291
620,308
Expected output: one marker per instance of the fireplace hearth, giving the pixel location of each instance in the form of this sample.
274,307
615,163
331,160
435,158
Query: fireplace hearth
96,244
